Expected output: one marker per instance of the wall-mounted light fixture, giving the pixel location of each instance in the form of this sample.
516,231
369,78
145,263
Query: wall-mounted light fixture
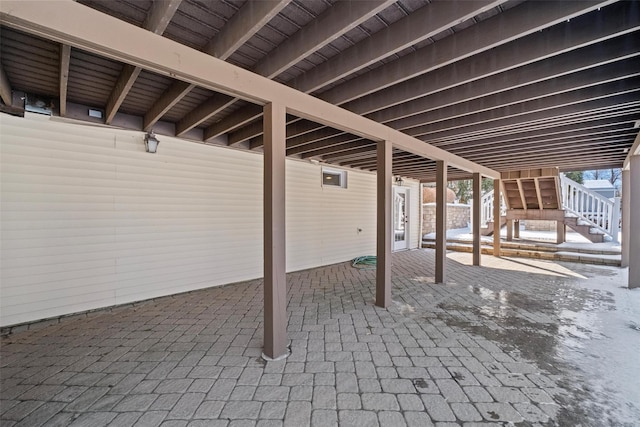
151,142
399,181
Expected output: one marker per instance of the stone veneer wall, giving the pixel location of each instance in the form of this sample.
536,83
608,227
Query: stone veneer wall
458,216
539,225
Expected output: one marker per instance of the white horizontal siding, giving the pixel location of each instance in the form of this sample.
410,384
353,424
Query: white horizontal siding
88,219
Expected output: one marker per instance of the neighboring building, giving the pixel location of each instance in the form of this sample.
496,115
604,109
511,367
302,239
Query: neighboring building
601,186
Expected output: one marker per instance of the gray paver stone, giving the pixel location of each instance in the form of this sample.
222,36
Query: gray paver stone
349,418
498,412
349,401
125,419
466,412
186,406
531,412
324,397
297,414
507,394
397,386
273,410
94,419
437,407
324,418
241,410
151,419
209,409
391,419
477,394
380,402
417,419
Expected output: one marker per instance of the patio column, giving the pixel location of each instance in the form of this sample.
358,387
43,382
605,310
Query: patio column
496,217
275,281
441,221
561,232
626,215
475,227
384,226
634,223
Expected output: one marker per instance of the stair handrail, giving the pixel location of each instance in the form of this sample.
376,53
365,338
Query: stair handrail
596,210
486,208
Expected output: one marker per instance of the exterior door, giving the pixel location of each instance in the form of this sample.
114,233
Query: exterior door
400,218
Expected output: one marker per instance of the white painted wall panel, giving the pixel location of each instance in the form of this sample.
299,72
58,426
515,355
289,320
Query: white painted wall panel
89,220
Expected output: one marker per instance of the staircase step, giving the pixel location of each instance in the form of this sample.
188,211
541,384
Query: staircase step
579,255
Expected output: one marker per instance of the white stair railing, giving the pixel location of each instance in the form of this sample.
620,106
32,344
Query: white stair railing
590,207
486,208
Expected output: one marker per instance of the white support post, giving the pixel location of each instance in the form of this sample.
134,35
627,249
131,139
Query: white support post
477,190
615,219
275,280
626,215
497,207
634,224
441,221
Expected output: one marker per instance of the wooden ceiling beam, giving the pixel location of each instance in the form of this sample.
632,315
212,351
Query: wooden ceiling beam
561,89
65,59
243,25
338,147
541,110
328,26
530,129
167,100
517,22
212,106
5,88
565,49
596,126
157,21
520,147
418,26
84,28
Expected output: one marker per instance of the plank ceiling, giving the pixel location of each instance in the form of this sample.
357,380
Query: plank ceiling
508,84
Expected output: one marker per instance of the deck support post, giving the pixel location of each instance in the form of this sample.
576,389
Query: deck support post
509,230
384,224
626,215
634,223
497,207
516,229
441,221
475,227
561,232
275,280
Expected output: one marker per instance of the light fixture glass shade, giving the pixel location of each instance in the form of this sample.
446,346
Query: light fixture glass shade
151,142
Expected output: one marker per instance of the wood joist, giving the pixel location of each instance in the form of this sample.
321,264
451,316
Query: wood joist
532,189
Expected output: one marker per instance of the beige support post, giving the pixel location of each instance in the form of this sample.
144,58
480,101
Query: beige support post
275,281
384,226
441,221
516,229
477,194
561,232
509,230
626,215
634,223
496,217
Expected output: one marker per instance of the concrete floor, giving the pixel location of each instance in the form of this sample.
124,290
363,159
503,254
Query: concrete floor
514,342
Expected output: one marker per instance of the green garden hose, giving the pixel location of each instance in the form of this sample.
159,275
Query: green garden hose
364,262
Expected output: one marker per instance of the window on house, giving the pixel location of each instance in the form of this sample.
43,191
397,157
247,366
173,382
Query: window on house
334,178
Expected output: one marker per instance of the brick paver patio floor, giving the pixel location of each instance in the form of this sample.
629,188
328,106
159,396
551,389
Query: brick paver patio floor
517,341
